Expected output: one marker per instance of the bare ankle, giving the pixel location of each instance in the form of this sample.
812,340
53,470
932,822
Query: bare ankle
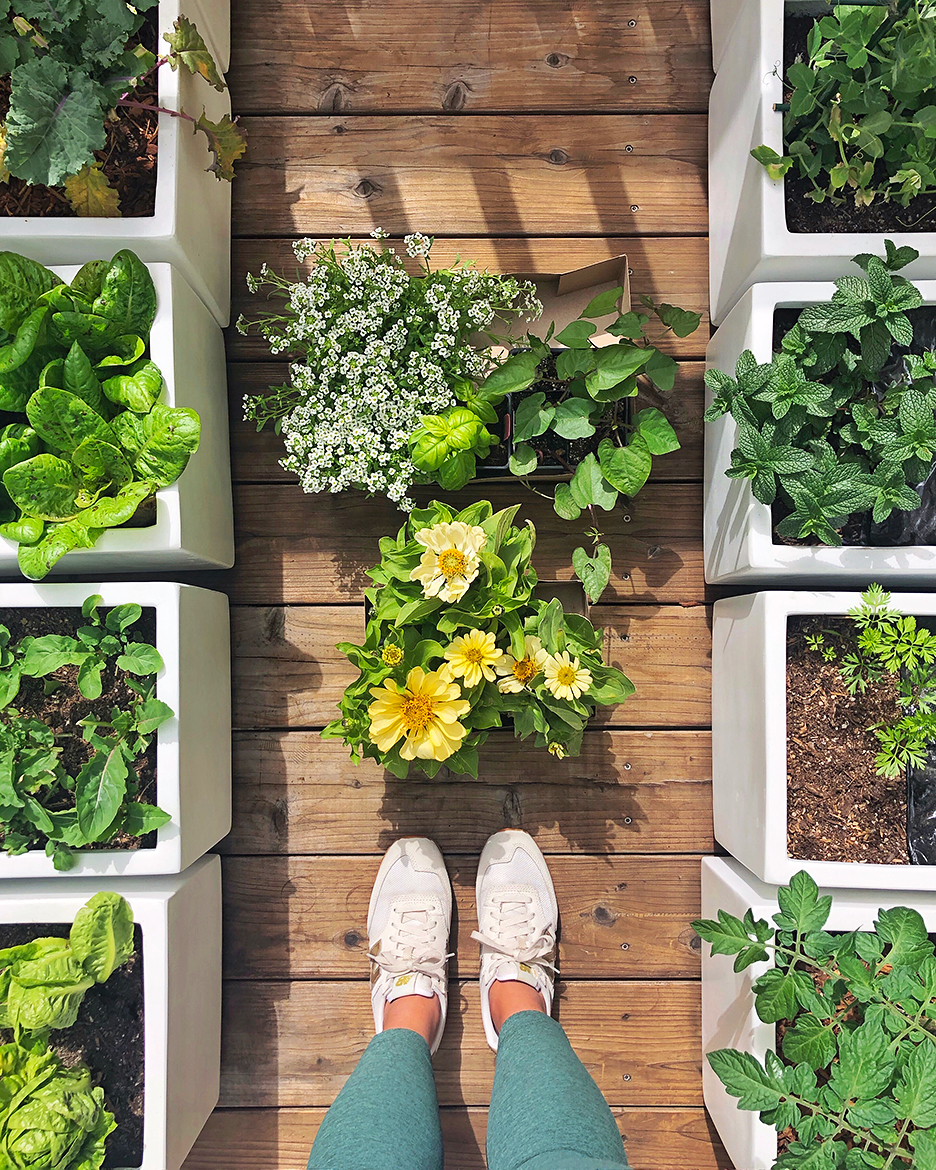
417,1013
509,996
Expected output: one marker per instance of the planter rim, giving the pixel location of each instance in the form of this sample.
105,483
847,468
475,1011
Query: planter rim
770,611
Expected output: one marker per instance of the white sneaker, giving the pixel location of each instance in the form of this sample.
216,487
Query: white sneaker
408,925
517,916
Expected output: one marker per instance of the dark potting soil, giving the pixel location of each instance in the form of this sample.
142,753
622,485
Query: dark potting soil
555,456
803,215
838,807
128,158
66,705
107,1037
901,529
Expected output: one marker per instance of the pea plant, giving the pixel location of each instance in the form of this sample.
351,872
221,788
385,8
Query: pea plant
822,435
41,804
854,1076
861,109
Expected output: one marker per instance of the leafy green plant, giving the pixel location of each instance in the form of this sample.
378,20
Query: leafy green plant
41,804
71,65
856,1071
888,643
820,434
92,441
457,644
53,1118
596,383
861,116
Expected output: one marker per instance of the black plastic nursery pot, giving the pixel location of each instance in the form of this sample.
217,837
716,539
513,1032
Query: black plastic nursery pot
838,807
557,457
107,1037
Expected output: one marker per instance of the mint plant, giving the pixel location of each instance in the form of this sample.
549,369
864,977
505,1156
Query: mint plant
93,441
855,1074
861,109
50,1115
888,643
42,805
822,435
71,65
596,383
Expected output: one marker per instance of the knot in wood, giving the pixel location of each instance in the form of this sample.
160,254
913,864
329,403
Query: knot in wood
334,99
455,96
367,189
557,60
557,157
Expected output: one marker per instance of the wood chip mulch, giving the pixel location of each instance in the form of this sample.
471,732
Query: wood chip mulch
838,807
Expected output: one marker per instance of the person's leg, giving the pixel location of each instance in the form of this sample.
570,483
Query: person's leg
387,1115
546,1111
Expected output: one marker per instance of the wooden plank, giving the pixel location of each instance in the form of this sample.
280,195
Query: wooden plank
293,547
295,57
280,1139
669,269
306,917
287,672
549,174
296,1043
628,792
256,454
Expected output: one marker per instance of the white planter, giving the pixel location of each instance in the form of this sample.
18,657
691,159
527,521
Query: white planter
737,527
749,735
180,919
728,1016
191,227
749,240
723,13
194,516
193,752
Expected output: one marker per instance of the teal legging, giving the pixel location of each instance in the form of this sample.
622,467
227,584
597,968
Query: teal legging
546,1111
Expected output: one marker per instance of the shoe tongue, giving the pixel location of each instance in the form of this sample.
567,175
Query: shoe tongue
510,970
415,984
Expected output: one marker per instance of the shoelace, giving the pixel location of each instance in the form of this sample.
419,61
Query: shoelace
410,934
514,938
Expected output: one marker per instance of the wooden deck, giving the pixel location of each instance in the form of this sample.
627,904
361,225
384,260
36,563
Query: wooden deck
529,135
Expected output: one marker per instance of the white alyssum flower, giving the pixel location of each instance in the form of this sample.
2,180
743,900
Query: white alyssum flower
375,349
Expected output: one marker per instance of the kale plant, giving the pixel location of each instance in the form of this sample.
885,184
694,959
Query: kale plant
596,382
888,643
818,433
90,440
855,1079
52,1117
41,804
72,64
861,109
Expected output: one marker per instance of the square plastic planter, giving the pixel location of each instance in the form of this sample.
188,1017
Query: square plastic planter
194,516
180,919
728,1016
191,227
737,527
749,238
193,750
749,735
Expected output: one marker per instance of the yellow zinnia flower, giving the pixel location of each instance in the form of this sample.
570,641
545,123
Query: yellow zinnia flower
426,712
565,678
472,656
450,562
520,672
